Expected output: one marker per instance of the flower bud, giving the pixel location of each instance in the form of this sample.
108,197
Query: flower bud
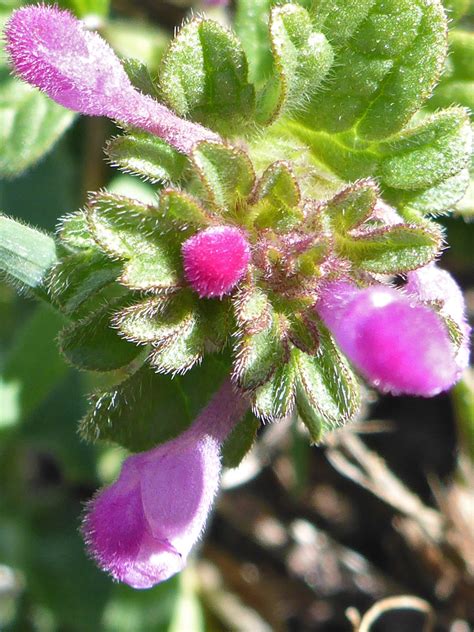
397,343
141,528
52,50
434,285
215,260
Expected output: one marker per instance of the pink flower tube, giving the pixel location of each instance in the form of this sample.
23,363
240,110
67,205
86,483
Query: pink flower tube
53,51
141,528
398,344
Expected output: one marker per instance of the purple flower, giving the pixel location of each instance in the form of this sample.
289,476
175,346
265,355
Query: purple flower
397,343
215,260
53,51
142,527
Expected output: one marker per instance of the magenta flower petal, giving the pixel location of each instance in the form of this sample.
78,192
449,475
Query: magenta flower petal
117,534
141,528
52,50
178,493
398,344
215,260
434,285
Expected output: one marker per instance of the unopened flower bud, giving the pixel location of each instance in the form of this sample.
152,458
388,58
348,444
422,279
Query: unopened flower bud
52,50
215,260
397,343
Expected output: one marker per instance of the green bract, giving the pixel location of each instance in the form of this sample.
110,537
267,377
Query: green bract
321,129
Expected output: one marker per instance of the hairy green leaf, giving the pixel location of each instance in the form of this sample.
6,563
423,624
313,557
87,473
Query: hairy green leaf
425,155
26,255
327,392
253,310
122,226
92,344
389,56
158,272
130,230
303,331
178,354
146,156
277,197
226,172
303,57
148,408
275,399
73,231
251,25
340,19
258,355
180,208
140,76
204,76
391,250
433,200
352,206
217,322
75,282
158,319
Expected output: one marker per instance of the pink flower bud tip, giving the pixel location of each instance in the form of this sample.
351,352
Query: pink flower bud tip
141,528
397,343
215,260
52,50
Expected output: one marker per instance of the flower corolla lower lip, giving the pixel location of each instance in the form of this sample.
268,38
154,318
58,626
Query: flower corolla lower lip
397,343
141,528
52,50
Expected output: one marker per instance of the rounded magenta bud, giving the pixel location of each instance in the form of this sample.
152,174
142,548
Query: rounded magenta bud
215,260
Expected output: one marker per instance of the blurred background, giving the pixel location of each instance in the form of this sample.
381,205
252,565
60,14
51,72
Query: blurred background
303,538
